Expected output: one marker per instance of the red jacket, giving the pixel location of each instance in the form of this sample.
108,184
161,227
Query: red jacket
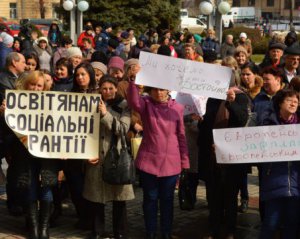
85,35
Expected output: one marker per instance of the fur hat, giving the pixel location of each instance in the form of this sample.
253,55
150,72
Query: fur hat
42,39
243,34
100,66
74,51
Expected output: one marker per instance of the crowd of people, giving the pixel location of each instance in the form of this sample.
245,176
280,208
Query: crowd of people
106,62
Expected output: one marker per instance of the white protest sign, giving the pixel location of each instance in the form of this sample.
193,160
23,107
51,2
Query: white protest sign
257,144
192,103
182,75
55,124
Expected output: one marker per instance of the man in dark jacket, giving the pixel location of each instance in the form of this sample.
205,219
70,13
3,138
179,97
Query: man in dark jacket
227,48
291,63
275,56
15,65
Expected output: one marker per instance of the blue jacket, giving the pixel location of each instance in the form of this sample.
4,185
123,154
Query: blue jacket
209,44
280,179
4,51
102,41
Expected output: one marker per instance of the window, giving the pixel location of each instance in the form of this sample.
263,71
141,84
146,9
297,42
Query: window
251,3
297,4
270,3
13,10
236,3
287,4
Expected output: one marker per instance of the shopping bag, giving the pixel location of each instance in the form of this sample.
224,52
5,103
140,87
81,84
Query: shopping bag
135,145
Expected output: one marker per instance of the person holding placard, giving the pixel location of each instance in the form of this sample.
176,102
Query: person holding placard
34,176
115,117
163,154
280,181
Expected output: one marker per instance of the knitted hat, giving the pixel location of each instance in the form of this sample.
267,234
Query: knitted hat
74,51
100,66
42,39
130,63
6,38
243,35
116,62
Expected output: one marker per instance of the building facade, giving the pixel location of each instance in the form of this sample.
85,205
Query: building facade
19,9
273,9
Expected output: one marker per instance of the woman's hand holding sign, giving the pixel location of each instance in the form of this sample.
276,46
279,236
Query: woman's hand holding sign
102,108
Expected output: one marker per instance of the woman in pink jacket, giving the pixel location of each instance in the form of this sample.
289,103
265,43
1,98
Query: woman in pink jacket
162,155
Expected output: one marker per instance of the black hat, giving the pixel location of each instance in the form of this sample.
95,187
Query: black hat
107,25
292,50
277,45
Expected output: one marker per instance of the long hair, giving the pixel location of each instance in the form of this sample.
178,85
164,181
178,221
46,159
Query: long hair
90,70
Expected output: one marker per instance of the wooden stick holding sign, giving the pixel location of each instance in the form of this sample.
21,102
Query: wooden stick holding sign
182,75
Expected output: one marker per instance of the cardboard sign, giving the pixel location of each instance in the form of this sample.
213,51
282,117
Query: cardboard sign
257,144
55,124
192,103
184,76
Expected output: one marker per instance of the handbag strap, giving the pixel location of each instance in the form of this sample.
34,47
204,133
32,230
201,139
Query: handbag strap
123,139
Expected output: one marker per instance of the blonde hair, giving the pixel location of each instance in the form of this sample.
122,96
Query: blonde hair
230,61
154,48
33,77
211,31
241,49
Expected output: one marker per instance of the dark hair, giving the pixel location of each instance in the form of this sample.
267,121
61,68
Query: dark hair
90,70
33,56
277,72
250,65
281,96
99,56
87,40
295,83
66,40
66,63
110,79
188,37
164,50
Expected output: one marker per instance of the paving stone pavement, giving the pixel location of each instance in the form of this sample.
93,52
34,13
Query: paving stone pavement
187,224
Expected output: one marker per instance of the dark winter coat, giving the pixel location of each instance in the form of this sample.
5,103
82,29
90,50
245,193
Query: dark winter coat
280,179
4,51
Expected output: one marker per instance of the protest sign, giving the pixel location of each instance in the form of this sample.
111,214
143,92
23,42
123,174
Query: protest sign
192,103
257,144
55,124
182,75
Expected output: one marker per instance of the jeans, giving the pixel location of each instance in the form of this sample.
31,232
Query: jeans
281,212
36,191
158,189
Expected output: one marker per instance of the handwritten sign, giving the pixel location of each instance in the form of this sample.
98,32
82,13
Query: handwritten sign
184,76
192,103
258,144
55,124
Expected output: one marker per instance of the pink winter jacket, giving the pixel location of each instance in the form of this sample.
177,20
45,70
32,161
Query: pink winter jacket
163,151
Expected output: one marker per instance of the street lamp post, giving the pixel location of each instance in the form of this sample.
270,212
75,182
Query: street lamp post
69,5
223,8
